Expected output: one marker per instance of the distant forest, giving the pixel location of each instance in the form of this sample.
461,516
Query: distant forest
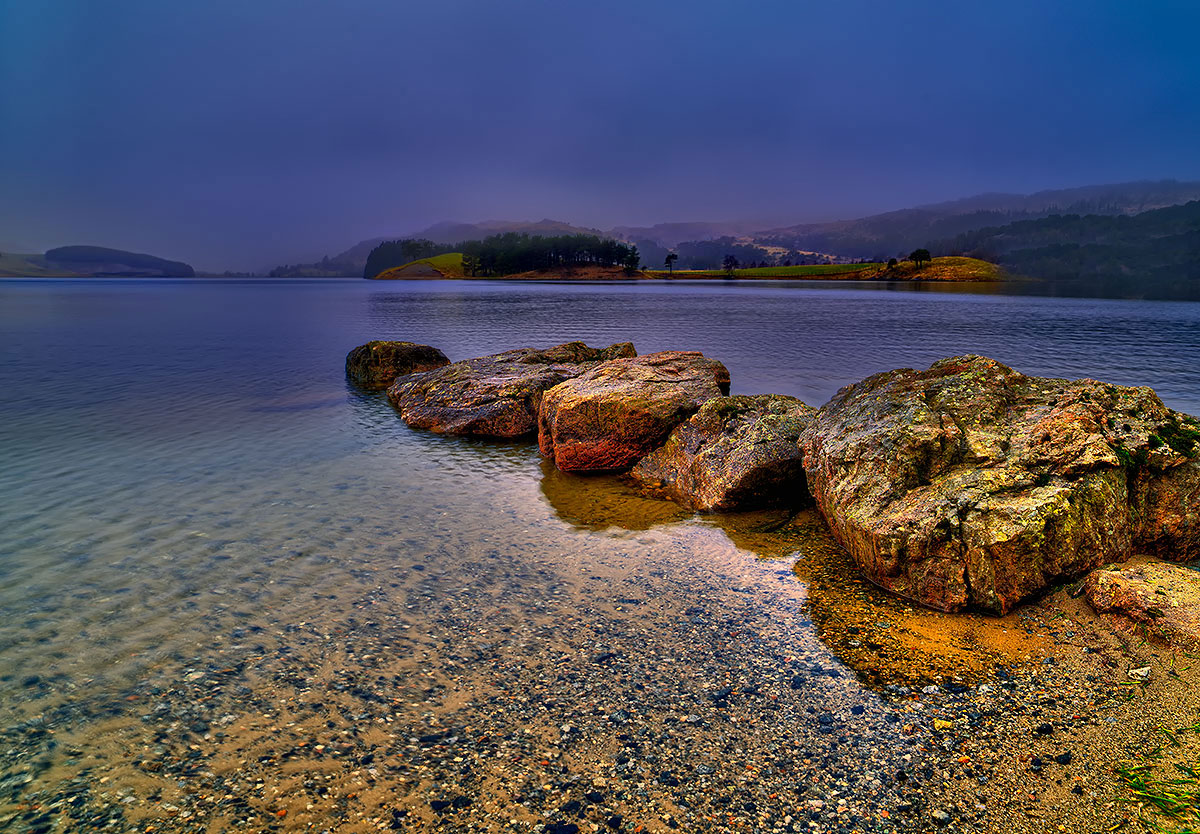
509,253
393,253
1160,248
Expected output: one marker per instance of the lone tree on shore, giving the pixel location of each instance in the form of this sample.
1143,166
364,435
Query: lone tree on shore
920,256
670,262
730,264
632,260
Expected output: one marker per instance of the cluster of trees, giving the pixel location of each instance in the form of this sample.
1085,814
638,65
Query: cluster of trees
327,267
513,252
392,253
509,253
710,254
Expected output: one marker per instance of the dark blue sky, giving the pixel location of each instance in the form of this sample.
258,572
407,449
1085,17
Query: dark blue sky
238,133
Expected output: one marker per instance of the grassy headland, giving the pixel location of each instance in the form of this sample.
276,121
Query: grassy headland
939,269
448,265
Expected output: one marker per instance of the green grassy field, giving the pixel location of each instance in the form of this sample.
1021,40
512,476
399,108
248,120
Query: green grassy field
939,269
450,265
768,271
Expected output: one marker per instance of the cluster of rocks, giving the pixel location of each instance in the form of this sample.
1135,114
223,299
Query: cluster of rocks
964,485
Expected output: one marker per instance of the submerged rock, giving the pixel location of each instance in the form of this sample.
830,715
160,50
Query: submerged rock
1164,597
616,413
377,364
736,452
972,484
494,396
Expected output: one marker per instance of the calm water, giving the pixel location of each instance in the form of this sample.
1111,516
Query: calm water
213,551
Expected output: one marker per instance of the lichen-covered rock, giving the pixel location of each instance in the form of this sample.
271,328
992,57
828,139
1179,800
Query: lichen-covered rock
494,396
970,484
608,418
377,364
1162,596
735,453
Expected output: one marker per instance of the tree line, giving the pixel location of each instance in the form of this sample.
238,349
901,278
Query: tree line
510,253
393,253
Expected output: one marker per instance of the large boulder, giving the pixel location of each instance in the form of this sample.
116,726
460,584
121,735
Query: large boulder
735,453
970,484
494,396
1162,596
608,418
377,364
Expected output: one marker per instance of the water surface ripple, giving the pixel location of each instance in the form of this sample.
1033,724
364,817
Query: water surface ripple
234,591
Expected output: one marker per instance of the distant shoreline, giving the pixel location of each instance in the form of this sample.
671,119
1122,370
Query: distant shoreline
940,270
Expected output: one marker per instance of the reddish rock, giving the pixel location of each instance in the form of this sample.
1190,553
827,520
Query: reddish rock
1164,597
970,484
735,453
377,364
616,413
494,396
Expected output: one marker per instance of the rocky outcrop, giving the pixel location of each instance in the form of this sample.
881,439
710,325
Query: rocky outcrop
616,413
1164,597
494,396
377,364
735,453
970,484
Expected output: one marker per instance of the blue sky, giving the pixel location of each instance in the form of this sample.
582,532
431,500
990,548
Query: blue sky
239,134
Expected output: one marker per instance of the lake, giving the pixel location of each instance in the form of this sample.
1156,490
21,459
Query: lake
237,593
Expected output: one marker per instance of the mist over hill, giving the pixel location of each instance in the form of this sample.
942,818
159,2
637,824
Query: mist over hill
1156,251
896,233
875,237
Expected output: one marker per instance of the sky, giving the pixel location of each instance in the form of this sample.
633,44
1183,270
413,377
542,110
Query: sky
238,134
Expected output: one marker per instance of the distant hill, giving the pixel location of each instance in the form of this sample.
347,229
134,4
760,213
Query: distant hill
898,232
670,235
1157,250
93,261
99,260
877,237
458,232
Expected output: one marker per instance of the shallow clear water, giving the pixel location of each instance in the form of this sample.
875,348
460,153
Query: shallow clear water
189,486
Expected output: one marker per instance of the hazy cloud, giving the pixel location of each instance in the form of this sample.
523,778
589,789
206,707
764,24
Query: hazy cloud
236,134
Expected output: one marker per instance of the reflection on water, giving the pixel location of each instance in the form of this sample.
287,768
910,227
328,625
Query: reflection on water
603,502
236,593
882,638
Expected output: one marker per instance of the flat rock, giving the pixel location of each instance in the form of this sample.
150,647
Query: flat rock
377,364
616,413
735,453
494,396
1163,596
970,484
